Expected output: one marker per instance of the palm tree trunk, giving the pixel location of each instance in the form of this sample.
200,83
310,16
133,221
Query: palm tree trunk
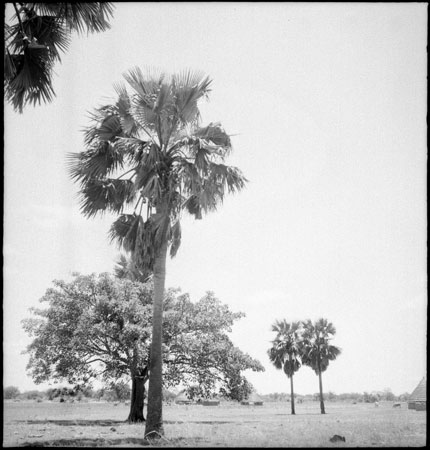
293,409
154,422
321,390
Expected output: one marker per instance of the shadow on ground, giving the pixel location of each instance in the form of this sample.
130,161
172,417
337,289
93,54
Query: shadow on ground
100,442
85,442
106,423
67,423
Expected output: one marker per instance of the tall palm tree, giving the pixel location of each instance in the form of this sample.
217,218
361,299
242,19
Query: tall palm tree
317,352
285,351
148,159
34,40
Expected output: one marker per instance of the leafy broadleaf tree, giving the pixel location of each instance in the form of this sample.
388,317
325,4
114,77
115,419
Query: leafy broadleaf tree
317,352
35,38
148,159
285,351
99,327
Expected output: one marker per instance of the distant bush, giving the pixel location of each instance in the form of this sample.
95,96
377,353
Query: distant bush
10,392
121,391
31,395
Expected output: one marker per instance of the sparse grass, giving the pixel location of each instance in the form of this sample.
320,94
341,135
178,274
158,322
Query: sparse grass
228,425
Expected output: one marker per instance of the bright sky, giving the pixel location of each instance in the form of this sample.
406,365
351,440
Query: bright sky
327,102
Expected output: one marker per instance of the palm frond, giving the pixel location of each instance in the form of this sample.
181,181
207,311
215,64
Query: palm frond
98,196
123,106
175,238
135,149
214,139
35,31
32,82
125,230
10,69
276,358
189,87
192,205
146,86
145,117
109,128
96,163
89,17
137,237
147,182
105,125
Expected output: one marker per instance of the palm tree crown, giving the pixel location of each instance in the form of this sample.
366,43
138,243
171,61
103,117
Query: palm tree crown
317,350
285,350
147,152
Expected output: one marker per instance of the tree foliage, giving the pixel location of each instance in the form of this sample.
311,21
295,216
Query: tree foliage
34,41
99,327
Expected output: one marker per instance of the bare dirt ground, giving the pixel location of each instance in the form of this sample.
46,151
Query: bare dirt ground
51,424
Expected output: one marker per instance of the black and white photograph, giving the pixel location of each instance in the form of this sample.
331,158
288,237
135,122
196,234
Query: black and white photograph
215,224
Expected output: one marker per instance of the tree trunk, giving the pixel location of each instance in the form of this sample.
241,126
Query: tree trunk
293,409
321,390
154,423
137,399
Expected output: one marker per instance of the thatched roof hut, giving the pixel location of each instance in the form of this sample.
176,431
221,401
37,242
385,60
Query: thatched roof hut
418,398
253,399
182,399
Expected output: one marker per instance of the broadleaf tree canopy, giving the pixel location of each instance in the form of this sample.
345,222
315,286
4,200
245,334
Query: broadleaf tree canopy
99,327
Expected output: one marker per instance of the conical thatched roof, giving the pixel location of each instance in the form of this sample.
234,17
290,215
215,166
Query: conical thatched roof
420,392
182,397
254,397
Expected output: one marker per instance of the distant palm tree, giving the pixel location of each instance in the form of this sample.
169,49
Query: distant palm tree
317,352
285,351
147,153
34,41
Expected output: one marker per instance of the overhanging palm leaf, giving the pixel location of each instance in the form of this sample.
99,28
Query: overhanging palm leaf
35,41
31,78
90,17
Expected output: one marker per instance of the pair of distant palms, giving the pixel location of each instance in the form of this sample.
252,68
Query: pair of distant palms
304,343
